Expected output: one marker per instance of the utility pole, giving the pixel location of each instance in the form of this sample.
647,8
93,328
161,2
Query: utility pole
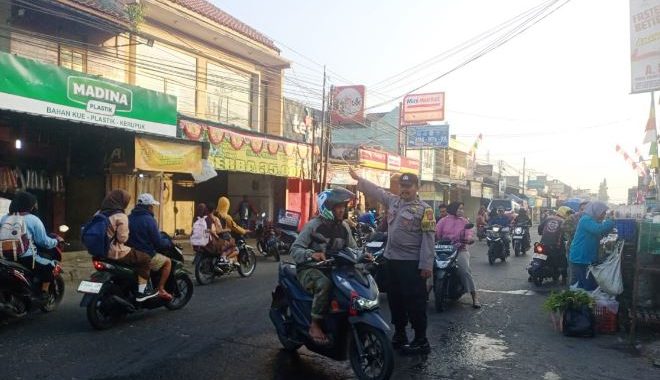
315,170
524,167
326,127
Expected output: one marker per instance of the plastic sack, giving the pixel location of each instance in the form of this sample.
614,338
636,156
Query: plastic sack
608,274
579,322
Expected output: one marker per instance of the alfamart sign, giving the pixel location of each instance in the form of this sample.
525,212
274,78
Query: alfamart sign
47,90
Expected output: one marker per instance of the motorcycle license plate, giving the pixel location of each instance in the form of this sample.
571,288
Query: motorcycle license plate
517,237
90,287
540,256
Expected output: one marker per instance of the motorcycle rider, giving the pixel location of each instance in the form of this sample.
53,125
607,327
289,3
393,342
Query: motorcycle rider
442,212
411,251
552,239
25,204
331,225
503,221
227,224
523,220
245,211
145,236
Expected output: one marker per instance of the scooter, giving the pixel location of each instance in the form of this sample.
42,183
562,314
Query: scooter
268,238
20,288
497,245
447,284
354,326
541,268
209,265
110,293
520,240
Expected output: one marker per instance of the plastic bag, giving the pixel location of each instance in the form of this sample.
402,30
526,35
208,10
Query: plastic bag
608,274
579,322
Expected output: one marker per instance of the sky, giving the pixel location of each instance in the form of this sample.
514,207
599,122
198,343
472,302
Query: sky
557,94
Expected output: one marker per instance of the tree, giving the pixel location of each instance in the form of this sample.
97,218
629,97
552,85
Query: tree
602,191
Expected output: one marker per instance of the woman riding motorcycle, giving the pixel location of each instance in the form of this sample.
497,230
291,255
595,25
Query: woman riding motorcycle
25,204
227,224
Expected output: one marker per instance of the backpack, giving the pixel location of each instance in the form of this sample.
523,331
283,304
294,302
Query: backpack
200,233
14,237
95,237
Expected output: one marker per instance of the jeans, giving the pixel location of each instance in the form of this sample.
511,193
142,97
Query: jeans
579,276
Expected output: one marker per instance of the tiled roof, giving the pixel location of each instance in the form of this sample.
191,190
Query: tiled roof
209,10
116,8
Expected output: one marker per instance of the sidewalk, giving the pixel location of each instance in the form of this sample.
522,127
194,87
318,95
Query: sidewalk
78,266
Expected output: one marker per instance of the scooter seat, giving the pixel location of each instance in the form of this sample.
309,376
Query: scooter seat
298,292
14,264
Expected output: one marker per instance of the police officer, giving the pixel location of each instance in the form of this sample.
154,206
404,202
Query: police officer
410,251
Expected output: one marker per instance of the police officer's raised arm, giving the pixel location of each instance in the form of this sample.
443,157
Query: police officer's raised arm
383,197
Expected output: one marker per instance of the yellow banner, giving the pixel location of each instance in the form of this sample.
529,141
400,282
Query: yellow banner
164,156
283,163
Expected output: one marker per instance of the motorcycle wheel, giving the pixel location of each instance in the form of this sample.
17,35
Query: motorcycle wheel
283,313
56,293
99,318
247,261
538,281
183,294
517,249
204,271
275,252
440,294
491,258
377,363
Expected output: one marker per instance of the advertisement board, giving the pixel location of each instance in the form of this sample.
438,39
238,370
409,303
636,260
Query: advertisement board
347,105
166,156
427,136
423,107
644,45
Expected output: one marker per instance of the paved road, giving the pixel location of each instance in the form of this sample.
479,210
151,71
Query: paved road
224,333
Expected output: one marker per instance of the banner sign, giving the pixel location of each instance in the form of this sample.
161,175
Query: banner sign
475,189
427,136
424,107
46,90
409,165
487,192
372,159
644,45
347,105
393,162
169,157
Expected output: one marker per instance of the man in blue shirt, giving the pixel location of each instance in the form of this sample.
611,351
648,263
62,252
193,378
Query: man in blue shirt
145,237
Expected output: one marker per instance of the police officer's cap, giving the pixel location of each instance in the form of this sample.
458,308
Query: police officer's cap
409,179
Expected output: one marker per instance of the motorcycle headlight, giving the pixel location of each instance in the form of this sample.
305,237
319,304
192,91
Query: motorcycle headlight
442,264
366,304
496,229
518,230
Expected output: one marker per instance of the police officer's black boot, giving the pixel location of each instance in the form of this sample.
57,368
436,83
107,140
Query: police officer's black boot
400,338
419,346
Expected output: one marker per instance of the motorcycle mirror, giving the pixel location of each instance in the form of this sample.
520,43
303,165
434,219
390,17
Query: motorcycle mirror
63,228
469,226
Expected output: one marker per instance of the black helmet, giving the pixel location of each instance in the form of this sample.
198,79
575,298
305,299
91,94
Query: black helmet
328,199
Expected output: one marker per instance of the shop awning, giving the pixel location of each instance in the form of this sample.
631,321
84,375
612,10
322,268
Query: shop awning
47,90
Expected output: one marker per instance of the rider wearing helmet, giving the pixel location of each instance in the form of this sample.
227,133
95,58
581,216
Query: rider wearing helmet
552,237
328,232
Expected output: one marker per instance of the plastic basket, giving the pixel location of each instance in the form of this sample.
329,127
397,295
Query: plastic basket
649,238
627,229
606,320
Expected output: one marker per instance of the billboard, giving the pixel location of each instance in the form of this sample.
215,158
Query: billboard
423,107
484,170
347,104
644,45
427,136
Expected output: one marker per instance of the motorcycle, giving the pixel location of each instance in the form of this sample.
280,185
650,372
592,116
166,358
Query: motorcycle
275,240
20,288
354,326
209,265
497,244
520,239
447,283
541,267
110,293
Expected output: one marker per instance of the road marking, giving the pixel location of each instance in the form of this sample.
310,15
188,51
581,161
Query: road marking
514,292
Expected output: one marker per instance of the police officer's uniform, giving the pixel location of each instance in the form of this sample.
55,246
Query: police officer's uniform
410,248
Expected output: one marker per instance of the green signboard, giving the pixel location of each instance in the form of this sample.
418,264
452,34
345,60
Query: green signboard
36,88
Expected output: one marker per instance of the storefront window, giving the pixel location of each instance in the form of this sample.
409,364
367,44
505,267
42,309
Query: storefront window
230,96
73,59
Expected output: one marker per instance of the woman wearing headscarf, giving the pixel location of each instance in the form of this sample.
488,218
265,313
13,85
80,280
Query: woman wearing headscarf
24,204
452,227
584,249
226,225
114,206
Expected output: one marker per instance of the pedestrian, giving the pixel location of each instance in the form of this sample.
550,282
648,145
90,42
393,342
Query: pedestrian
442,212
245,212
584,249
452,228
410,253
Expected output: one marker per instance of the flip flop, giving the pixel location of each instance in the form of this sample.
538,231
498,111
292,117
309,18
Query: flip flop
476,306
